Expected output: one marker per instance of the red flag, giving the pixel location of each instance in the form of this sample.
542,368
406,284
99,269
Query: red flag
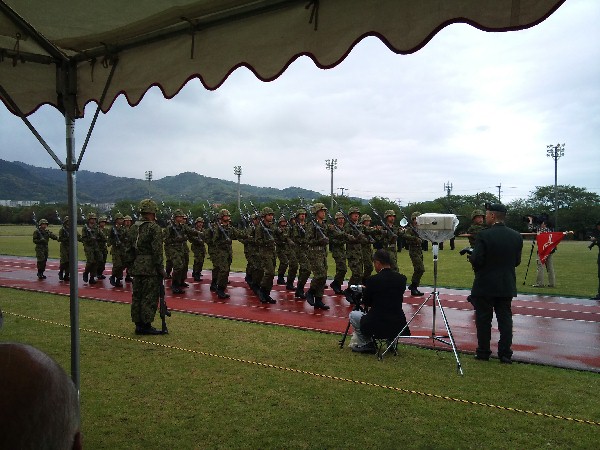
547,242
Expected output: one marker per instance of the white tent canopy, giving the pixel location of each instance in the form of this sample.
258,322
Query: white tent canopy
67,53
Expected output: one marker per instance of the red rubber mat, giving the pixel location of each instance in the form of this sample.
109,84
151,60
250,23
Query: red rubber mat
557,331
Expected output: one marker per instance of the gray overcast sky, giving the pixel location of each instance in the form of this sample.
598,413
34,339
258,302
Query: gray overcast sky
471,108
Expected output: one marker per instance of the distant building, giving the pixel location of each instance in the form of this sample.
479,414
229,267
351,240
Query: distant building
18,203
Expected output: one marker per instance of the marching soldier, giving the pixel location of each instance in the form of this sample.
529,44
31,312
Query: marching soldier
222,234
63,239
118,239
477,225
337,245
415,251
354,249
366,246
89,237
253,268
292,257
41,235
176,236
300,249
265,243
317,242
129,248
198,248
147,268
102,245
282,247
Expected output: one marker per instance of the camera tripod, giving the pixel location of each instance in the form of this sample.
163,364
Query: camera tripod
435,297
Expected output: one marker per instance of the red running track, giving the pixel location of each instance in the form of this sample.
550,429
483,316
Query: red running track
557,331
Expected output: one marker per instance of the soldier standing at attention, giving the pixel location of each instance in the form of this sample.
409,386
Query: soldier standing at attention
222,235
175,239
338,252
102,245
301,247
63,239
89,237
265,243
198,248
147,268
117,239
41,235
282,248
415,251
317,241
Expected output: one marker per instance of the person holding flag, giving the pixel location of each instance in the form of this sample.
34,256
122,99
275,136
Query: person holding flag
547,240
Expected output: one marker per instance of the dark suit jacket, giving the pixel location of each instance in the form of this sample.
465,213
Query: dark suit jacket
383,295
496,253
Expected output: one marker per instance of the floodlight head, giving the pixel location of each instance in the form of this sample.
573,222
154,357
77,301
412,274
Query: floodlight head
436,227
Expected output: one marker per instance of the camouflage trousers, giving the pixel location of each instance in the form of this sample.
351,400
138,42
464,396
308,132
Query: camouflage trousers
367,262
41,253
303,266
267,261
118,264
180,261
292,266
317,261
144,299
284,260
101,266
339,256
355,264
221,265
198,261
64,253
391,249
93,257
416,257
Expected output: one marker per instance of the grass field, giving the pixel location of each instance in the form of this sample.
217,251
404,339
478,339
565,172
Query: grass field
575,265
215,383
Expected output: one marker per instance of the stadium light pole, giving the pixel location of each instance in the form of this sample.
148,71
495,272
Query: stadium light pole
148,179
555,152
237,170
331,165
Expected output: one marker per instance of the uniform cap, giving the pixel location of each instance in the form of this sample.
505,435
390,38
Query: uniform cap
415,215
354,209
389,212
496,207
147,206
199,219
477,212
318,207
266,210
339,215
43,221
365,217
224,213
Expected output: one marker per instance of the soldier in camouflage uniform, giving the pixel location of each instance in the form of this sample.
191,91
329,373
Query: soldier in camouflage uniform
147,268
176,235
292,257
477,225
298,236
253,265
317,240
265,243
129,251
355,239
388,237
198,248
367,246
222,233
63,239
415,251
117,239
282,247
89,237
41,236
337,245
102,245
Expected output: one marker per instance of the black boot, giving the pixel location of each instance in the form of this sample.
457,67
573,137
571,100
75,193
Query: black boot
139,328
310,297
221,293
289,286
176,288
128,279
267,296
149,329
280,280
112,280
300,294
414,292
336,286
255,288
319,303
196,276
101,276
348,294
86,277
93,280
118,282
66,277
213,286
262,296
60,275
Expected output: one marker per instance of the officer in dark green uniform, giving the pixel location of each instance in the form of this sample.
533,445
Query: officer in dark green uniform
147,268
41,235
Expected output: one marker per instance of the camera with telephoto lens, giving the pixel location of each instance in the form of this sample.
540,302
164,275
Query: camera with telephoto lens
354,296
357,288
466,251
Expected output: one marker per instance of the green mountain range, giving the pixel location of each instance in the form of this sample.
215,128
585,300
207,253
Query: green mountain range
20,181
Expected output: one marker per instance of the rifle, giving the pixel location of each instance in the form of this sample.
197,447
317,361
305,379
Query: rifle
264,227
163,310
218,222
352,224
37,226
133,214
190,218
311,217
383,222
58,216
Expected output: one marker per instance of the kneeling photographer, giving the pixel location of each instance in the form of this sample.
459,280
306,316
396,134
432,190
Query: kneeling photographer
382,296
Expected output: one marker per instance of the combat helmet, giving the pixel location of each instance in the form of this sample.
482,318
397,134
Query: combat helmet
389,212
339,215
91,216
282,219
199,219
103,219
300,211
43,221
119,216
266,210
364,218
146,206
65,219
223,213
128,218
354,209
318,207
178,213
415,215
477,212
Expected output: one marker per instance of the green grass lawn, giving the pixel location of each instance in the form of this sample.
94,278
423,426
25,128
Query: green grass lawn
575,265
215,383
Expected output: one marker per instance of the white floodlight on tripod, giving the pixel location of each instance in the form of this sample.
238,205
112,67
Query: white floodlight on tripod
435,228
